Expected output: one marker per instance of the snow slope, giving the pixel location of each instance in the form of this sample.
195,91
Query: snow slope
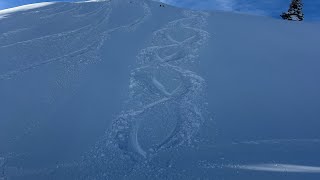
126,89
6,12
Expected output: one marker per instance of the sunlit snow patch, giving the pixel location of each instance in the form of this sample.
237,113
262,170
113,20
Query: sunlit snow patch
86,1
285,168
6,12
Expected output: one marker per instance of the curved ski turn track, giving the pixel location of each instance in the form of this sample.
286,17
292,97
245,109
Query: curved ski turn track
163,88
163,83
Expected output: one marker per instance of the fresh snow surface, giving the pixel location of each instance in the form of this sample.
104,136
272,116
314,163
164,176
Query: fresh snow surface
126,89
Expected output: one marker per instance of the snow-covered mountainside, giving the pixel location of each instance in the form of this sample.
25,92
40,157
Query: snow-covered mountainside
128,89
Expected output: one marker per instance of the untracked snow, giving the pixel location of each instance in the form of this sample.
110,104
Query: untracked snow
127,89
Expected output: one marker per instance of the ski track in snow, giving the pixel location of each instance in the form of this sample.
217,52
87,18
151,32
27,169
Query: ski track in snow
78,57
84,55
87,54
163,82
98,34
90,29
60,37
151,90
187,95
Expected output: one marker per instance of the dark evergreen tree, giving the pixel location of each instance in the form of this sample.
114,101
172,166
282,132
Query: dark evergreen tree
294,12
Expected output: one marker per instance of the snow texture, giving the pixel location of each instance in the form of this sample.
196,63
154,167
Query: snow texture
127,89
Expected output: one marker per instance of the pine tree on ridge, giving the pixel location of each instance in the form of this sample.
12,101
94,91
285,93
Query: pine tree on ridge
294,12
